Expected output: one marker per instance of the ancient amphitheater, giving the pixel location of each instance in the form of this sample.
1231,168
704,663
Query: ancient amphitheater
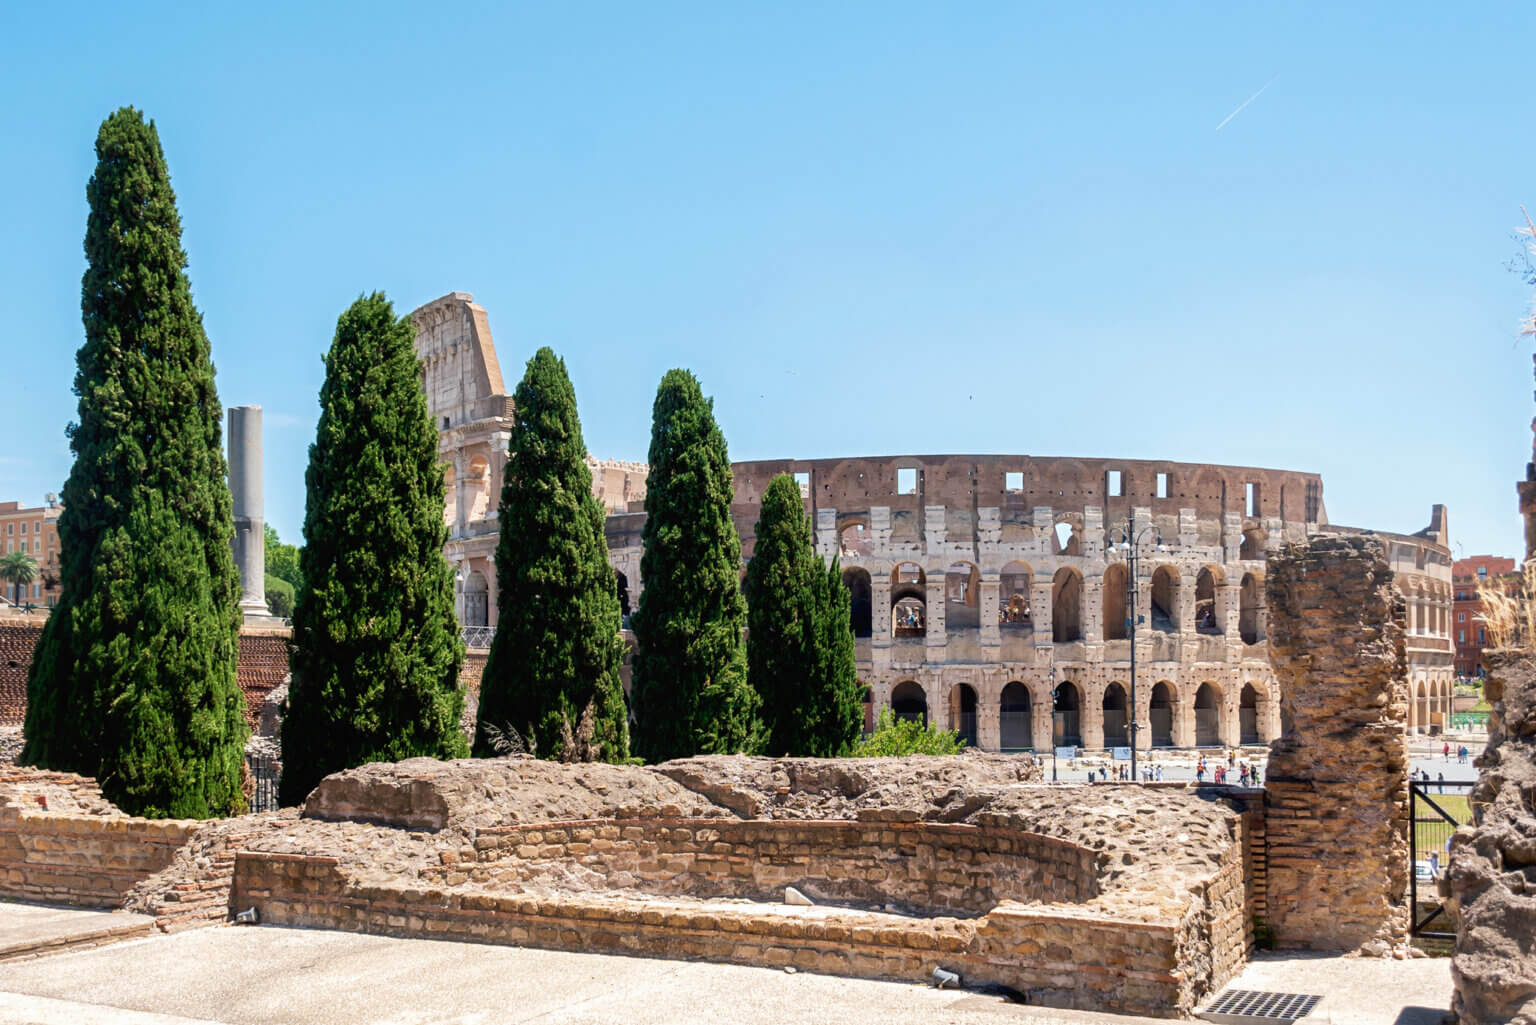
1002,596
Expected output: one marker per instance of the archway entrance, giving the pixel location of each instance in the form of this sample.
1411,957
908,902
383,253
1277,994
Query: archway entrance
1117,731
1207,716
1068,716
1016,718
860,600
1248,715
1162,715
910,703
965,721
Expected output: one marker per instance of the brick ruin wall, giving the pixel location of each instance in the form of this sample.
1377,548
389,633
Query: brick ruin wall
1492,870
1337,822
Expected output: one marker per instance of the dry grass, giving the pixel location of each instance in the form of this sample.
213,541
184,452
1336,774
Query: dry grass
1510,617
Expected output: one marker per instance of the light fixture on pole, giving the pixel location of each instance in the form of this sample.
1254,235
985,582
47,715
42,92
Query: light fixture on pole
1130,545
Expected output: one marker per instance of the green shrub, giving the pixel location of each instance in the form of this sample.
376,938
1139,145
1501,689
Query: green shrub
896,737
279,596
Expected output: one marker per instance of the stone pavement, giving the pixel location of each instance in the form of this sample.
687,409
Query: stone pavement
272,976
29,930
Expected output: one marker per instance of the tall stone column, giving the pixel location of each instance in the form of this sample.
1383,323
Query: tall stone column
250,543
1338,777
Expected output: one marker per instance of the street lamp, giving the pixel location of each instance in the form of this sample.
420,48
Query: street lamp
1130,544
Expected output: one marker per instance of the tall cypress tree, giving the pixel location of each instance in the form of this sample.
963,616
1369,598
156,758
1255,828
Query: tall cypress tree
800,653
133,680
557,649
690,688
375,654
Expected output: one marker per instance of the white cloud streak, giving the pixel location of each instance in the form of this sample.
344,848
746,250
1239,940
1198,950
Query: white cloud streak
1245,103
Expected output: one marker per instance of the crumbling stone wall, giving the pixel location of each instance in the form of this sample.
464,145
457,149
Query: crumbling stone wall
1493,862
1337,874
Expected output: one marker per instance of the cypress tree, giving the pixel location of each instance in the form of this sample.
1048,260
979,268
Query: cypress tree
690,688
800,653
557,649
375,653
133,679
838,695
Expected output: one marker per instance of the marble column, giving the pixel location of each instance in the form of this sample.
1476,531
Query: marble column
250,542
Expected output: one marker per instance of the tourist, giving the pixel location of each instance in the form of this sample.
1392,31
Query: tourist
1159,773
1445,752
1200,771
1256,780
1442,782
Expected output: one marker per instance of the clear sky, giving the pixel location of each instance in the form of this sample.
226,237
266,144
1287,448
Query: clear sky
869,228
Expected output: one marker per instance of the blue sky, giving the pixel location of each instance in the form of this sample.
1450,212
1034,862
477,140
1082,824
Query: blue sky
879,228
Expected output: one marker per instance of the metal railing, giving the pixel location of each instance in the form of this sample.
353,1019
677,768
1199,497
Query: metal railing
477,636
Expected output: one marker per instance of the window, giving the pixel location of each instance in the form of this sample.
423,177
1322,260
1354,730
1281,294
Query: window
1482,572
1251,498
1461,617
1114,484
1461,637
1013,480
1162,485
1482,637
906,480
37,546
23,527
37,526
804,480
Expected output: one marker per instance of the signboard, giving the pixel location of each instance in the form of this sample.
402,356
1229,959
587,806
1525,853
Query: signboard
1120,754
1066,752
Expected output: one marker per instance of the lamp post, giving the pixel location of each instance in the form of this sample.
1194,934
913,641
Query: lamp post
1053,715
1130,544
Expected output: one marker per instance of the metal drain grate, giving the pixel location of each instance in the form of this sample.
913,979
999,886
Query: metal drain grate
1256,1007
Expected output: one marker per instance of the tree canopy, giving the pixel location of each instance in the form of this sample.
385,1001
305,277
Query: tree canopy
133,679
375,654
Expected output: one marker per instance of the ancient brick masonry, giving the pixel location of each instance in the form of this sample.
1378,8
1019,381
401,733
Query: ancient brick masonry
1338,775
1493,863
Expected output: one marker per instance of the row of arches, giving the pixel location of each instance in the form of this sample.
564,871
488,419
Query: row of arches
1430,704
1022,724
1162,609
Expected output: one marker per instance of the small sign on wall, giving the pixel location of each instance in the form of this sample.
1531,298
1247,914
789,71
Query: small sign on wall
1120,754
1066,752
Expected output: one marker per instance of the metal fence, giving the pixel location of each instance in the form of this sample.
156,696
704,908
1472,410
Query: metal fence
264,771
477,636
1435,810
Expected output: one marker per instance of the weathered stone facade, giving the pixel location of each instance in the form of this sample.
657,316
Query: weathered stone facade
1493,863
1337,786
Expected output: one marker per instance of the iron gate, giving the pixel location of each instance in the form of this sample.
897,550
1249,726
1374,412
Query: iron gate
1434,811
264,771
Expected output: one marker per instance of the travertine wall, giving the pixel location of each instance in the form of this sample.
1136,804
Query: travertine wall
1492,869
1338,776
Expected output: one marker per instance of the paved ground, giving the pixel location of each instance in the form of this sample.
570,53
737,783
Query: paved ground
273,976
27,929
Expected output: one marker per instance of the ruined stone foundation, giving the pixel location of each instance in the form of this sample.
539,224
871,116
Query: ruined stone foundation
1493,862
1338,775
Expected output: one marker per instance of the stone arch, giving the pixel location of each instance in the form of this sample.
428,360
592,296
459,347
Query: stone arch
1250,608
477,596
477,488
1117,730
1209,615
1016,720
1165,599
1115,588
909,600
1067,716
621,585
1162,709
1208,715
861,607
1067,606
910,702
1014,610
962,596
963,712
1248,715
853,540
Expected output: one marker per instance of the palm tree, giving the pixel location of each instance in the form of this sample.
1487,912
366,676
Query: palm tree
18,569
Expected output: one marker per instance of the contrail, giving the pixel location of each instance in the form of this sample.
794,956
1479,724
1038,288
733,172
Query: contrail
1245,103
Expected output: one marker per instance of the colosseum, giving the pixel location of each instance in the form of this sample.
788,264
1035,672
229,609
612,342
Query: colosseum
1019,600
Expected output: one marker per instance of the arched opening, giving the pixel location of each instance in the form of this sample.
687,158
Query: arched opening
1162,715
965,719
1423,708
621,584
1067,724
1066,539
1117,732
909,702
1255,539
869,710
853,540
861,605
909,606
962,597
1016,719
1250,609
1165,599
476,600
1116,619
1013,598
1207,716
1208,617
478,489
1066,606
1248,715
